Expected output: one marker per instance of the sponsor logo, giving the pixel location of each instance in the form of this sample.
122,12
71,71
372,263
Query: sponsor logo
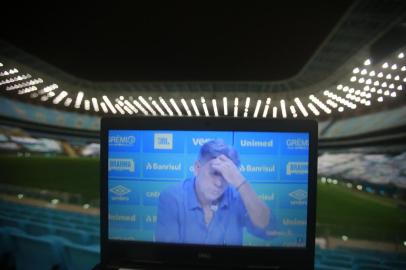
254,143
296,168
127,218
120,190
258,169
154,166
297,144
121,164
163,141
294,222
300,197
152,194
121,140
150,219
267,197
200,141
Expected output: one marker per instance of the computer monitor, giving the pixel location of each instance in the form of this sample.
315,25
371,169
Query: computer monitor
210,192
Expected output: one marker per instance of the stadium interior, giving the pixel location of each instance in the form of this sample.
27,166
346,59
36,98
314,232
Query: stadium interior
352,80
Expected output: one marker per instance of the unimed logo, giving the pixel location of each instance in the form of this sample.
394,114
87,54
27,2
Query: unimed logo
296,168
120,190
121,140
121,164
163,141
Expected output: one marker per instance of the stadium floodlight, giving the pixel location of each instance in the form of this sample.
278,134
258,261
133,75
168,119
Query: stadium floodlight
283,108
400,88
20,196
391,86
345,88
67,102
236,107
385,65
274,112
121,98
225,106
323,180
54,201
313,109
216,112
8,72
1,64
353,79
359,187
367,62
139,106
372,73
119,108
86,206
146,104
403,68
368,81
119,102
194,105
376,83
186,107
401,55
95,104
373,89
380,75
87,104
256,111
24,84
380,99
129,105
384,84
293,111
51,94
361,80
128,110
335,182
397,78
394,67
104,107
339,87
79,99
163,102
157,107
404,243
27,90
388,76
301,107
34,95
175,106
393,94
109,104
206,111
364,72
344,237
379,91
341,109
355,70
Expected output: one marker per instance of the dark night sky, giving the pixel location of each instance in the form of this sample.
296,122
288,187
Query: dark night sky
167,42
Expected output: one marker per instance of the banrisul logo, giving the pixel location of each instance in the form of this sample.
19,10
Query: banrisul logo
299,196
120,190
297,144
293,168
163,141
119,140
121,164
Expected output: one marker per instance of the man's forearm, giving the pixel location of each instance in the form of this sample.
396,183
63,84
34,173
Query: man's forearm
258,211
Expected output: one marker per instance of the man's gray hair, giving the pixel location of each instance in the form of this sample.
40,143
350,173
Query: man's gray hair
214,148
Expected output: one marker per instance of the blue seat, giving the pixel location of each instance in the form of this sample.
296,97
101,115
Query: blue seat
38,229
79,257
73,235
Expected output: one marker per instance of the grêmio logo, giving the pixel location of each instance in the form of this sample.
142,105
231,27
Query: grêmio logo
121,140
163,141
297,144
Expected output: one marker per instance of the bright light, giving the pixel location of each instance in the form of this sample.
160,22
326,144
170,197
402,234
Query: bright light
353,78
195,107
95,104
339,87
404,243
393,94
313,109
372,73
128,110
301,107
186,107
206,111
20,196
87,105
146,104
323,180
119,109
129,105
341,109
388,76
335,182
385,65
344,237
400,87
267,104
380,75
283,108
108,103
178,111
104,107
236,107
140,107
364,72
394,66
401,55
54,201
86,206
68,101
367,62
361,80
163,102
359,187
397,78
225,107
403,68
355,70
275,112
214,102
257,108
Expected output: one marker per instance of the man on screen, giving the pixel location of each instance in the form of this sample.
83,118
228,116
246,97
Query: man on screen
214,206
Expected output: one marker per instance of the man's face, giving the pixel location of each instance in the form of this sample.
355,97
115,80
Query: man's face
210,182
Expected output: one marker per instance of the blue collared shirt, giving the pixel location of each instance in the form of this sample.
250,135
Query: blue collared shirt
181,218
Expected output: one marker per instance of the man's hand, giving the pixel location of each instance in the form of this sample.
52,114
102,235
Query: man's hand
228,170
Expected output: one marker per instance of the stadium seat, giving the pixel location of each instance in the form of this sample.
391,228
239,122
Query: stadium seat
76,236
79,257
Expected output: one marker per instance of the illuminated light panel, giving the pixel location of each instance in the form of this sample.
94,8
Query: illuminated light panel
384,84
67,102
163,102
16,79
367,62
361,80
364,72
27,90
175,106
393,94
355,70
331,103
372,73
353,79
214,102
320,104
225,107
236,107
283,108
266,109
313,109
386,93
24,84
380,99
403,68
368,81
193,102
388,76
87,105
385,65
139,106
119,102
339,87
104,107
121,98
293,111
397,78
119,109
400,87
206,111
79,99
257,106
95,104
157,107
146,104
376,83
60,97
109,104
129,105
401,55
8,72
380,75
301,107
274,112
394,67
48,88
345,88
44,98
186,107
341,109
391,86
128,110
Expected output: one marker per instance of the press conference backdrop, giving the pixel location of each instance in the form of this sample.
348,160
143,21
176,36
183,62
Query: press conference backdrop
143,163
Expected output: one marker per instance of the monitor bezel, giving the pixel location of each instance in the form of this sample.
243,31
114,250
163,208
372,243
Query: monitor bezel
117,254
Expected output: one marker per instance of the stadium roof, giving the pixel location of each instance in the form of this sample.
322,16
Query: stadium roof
290,61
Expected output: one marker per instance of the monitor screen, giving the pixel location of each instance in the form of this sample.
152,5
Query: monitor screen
229,188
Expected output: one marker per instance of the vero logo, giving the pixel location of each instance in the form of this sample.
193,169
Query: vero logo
120,190
298,194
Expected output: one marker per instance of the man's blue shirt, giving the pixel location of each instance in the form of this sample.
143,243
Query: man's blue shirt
181,218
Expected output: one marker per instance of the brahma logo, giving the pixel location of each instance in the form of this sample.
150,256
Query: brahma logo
121,164
120,190
296,168
300,197
297,144
122,140
163,141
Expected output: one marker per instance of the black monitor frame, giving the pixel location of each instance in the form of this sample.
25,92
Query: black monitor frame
119,254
